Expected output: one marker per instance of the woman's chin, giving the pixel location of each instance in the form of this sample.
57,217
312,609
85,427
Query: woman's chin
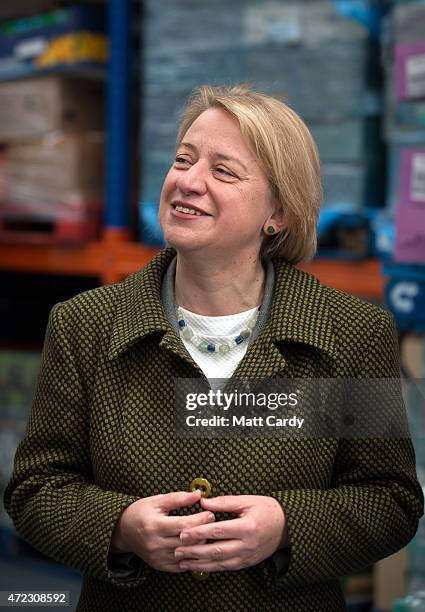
183,247
183,242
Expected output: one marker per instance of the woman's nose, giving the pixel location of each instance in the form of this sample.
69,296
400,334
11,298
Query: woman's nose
192,180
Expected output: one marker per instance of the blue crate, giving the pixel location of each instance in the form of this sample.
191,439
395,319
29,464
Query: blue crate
405,295
401,271
25,42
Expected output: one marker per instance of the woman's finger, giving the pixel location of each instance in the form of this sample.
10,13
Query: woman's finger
214,551
174,525
232,529
202,565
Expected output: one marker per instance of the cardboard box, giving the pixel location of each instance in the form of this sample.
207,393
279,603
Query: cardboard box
31,108
56,176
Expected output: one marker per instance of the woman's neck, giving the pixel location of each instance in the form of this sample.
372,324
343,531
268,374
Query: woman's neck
212,289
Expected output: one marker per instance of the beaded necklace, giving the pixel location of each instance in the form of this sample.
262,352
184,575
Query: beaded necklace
206,345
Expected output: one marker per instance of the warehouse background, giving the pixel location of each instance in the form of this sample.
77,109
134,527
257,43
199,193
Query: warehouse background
90,96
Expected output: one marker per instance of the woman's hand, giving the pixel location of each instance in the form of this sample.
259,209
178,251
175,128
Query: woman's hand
257,533
145,528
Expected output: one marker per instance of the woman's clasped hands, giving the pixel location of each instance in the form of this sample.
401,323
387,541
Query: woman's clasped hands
257,532
197,541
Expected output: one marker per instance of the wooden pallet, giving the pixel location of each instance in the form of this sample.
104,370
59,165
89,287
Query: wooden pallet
27,228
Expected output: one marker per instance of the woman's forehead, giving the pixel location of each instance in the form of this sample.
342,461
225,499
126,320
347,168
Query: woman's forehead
217,132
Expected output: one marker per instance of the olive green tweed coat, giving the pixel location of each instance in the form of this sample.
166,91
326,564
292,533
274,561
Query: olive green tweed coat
100,436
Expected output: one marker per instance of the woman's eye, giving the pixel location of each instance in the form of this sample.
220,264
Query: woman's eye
224,172
181,160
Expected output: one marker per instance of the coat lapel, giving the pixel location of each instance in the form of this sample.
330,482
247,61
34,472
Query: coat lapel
139,309
299,313
140,312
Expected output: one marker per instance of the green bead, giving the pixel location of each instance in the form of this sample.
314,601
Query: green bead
203,346
187,333
224,348
245,333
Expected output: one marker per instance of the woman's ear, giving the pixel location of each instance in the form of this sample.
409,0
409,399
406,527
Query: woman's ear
276,222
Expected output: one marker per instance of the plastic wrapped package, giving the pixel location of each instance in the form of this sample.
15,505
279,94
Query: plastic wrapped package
245,23
334,69
343,186
351,154
409,21
175,74
169,25
340,141
297,73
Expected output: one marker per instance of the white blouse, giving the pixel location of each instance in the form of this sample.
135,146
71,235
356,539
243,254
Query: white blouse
217,365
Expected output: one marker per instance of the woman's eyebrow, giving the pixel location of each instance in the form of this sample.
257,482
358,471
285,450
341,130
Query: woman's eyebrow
223,156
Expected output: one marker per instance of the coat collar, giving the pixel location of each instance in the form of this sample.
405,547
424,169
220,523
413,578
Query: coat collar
299,312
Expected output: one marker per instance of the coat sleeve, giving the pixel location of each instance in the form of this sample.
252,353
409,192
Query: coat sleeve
51,496
373,505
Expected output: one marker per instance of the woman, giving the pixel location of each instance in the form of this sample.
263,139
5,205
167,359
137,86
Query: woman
102,482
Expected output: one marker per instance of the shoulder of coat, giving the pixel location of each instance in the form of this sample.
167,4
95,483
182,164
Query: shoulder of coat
88,317
352,313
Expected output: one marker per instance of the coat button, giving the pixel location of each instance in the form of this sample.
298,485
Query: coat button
200,575
201,484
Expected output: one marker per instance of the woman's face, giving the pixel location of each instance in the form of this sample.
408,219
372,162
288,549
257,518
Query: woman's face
215,197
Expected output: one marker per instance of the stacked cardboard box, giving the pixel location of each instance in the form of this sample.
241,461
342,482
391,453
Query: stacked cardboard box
53,170
33,108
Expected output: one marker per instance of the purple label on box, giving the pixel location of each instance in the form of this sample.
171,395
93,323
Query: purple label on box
410,70
412,177
410,217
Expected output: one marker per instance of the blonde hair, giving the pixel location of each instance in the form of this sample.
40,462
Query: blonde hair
287,153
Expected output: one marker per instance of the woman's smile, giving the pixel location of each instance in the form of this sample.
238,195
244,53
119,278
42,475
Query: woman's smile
187,211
